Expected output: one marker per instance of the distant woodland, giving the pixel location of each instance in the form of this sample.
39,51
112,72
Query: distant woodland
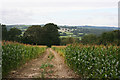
48,34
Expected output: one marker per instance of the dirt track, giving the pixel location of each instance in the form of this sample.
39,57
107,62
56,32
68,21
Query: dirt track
33,69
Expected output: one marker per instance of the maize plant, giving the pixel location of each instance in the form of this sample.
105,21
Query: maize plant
15,54
60,50
94,61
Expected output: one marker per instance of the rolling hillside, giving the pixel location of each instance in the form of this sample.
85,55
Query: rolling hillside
72,31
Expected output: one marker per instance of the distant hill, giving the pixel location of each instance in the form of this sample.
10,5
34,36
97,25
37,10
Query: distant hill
21,27
99,27
90,27
74,31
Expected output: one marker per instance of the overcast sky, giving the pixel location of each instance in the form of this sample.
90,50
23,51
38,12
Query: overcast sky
61,12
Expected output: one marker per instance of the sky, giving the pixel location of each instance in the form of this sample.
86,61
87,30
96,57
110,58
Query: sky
60,12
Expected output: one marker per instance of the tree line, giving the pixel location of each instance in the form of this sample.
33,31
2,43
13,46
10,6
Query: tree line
49,35
106,38
46,35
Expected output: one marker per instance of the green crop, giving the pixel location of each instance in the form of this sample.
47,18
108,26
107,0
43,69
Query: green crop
15,55
60,50
93,61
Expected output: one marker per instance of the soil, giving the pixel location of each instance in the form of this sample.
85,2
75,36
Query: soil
33,69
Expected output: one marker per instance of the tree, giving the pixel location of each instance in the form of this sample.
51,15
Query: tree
4,32
14,34
116,34
33,35
46,35
51,36
89,39
69,40
107,37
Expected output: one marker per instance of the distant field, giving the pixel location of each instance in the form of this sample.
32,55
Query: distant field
59,46
79,30
64,36
81,33
69,33
79,38
69,36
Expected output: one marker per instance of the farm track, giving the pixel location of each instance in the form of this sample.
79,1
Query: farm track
32,68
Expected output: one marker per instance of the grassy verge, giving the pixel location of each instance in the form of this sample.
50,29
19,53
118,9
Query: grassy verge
60,50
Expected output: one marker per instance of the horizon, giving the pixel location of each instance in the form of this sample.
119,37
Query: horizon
61,12
65,25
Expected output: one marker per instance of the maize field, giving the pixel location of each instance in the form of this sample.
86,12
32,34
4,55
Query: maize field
60,50
93,61
15,55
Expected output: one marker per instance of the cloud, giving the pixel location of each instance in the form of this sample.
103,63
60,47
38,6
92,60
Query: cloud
43,11
58,3
16,16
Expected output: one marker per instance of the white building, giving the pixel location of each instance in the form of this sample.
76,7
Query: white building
64,30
